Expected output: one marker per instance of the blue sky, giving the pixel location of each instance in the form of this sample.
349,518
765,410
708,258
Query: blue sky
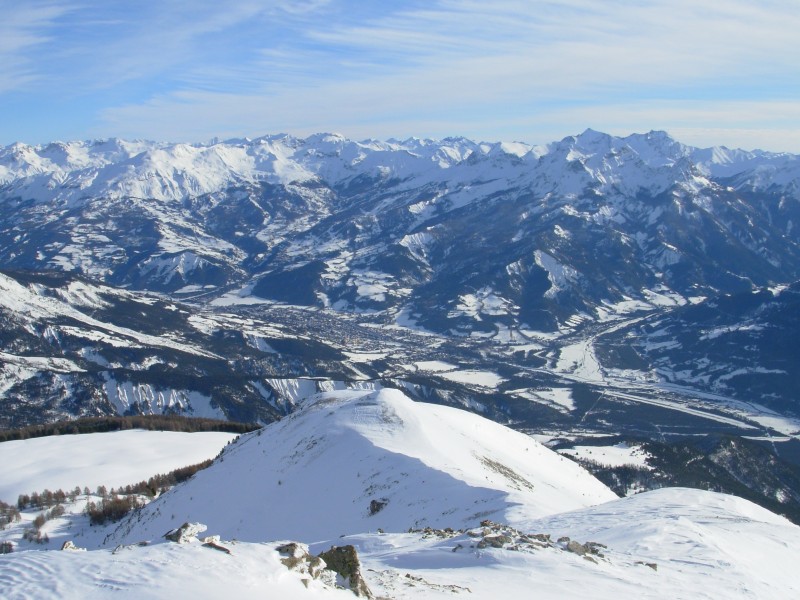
710,73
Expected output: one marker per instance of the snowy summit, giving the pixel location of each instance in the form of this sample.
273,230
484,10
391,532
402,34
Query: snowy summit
356,461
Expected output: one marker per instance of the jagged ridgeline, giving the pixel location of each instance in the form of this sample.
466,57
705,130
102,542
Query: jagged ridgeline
456,235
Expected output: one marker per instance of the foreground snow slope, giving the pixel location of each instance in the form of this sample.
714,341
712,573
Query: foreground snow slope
351,462
110,459
166,571
670,544
695,537
357,461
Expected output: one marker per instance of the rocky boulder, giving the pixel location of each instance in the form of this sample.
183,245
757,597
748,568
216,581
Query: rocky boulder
185,533
344,561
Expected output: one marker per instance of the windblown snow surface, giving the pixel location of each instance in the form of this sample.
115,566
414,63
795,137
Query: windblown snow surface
371,468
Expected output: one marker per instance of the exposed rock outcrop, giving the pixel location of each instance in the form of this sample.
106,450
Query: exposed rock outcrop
185,533
337,567
344,561
70,546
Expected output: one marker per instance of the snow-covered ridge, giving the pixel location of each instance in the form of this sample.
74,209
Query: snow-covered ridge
30,304
164,171
362,226
379,460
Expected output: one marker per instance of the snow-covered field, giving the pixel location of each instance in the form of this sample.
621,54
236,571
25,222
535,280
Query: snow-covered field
617,455
434,366
475,377
558,398
111,459
374,469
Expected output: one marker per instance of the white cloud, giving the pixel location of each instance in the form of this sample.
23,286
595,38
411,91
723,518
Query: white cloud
23,27
770,125
482,69
503,67
678,34
102,43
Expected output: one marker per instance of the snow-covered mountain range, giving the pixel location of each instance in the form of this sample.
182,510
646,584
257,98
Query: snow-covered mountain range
572,290
562,231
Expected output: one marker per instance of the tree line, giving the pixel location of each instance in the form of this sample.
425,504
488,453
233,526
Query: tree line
113,505
117,423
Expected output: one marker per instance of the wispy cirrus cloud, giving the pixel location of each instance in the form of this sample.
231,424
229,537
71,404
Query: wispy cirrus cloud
23,28
196,70
573,44
98,44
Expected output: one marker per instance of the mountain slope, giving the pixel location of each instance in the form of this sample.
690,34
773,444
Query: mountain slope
71,347
739,345
232,279
357,461
693,534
